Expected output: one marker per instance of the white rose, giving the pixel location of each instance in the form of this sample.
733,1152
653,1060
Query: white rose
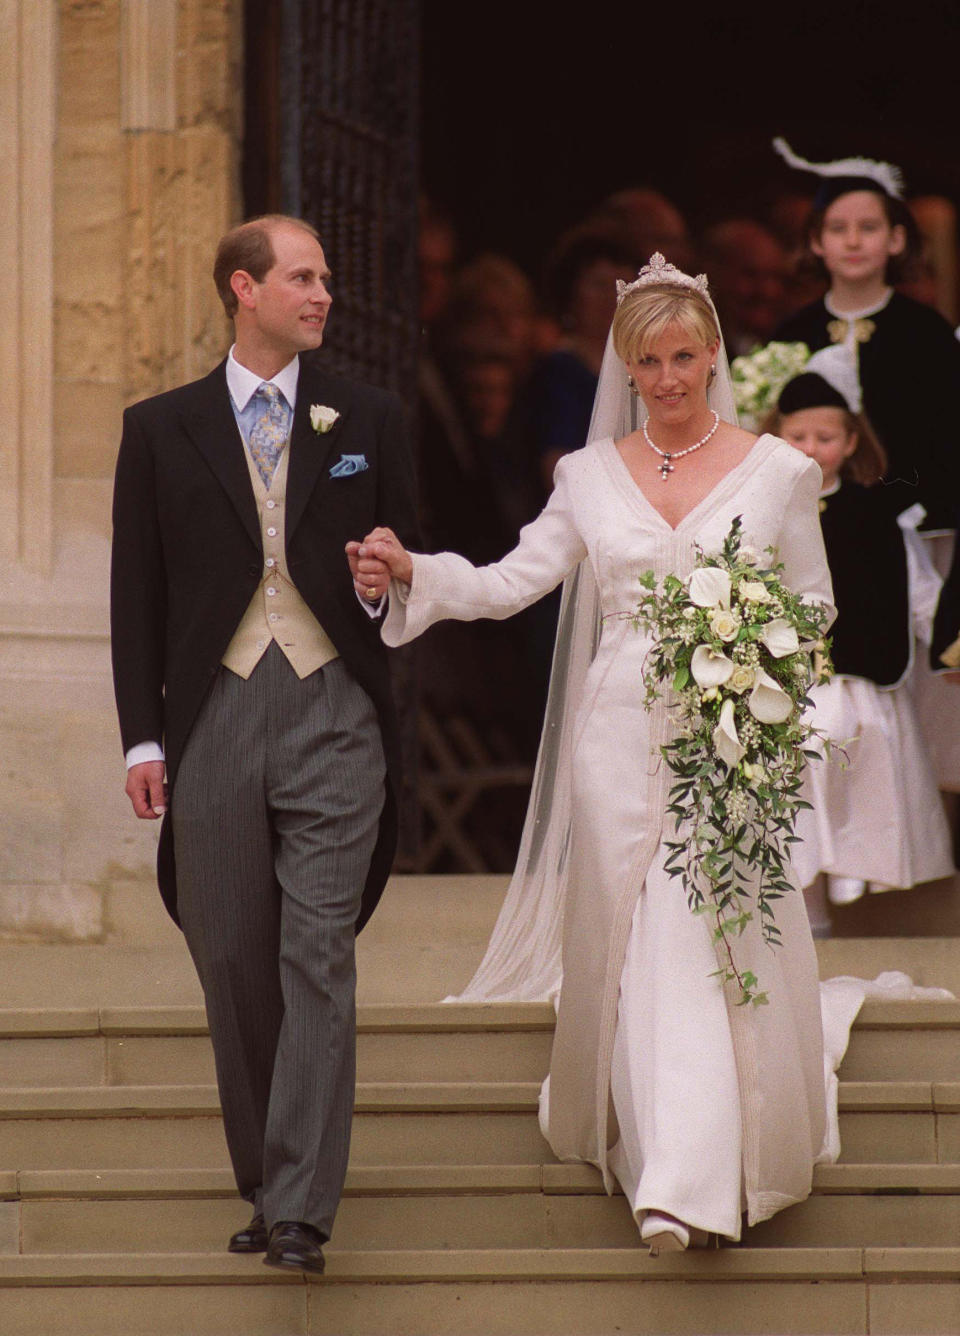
728,745
710,668
752,771
710,587
711,693
780,638
724,624
768,701
742,678
754,592
749,555
322,418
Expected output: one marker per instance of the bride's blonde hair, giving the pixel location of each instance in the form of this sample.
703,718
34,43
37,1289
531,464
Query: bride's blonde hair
645,313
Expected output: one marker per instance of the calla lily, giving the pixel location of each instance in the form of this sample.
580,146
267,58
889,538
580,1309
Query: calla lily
710,668
768,701
728,745
780,638
710,587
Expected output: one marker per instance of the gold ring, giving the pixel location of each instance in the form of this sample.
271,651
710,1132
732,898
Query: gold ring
372,593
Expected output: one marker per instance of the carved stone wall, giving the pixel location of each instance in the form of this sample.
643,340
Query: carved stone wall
119,169
146,172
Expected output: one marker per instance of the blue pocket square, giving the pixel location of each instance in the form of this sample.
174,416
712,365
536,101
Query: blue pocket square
348,464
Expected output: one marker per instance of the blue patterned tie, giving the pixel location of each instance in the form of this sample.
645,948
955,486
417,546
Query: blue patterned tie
270,431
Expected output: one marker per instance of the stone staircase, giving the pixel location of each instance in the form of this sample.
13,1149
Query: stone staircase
116,1200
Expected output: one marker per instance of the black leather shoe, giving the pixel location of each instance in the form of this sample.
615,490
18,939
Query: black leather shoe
251,1239
295,1245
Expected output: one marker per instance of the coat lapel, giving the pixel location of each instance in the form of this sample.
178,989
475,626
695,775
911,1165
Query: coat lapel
312,453
213,430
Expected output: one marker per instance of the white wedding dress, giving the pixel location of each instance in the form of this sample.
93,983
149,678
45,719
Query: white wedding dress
699,1107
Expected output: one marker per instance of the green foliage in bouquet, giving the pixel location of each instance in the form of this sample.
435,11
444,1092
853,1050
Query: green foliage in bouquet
734,655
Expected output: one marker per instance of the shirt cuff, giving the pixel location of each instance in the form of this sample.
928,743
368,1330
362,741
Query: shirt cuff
144,751
373,610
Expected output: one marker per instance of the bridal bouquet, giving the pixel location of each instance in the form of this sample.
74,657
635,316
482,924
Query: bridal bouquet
759,376
734,654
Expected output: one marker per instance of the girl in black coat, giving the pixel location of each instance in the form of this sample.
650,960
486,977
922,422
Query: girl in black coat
876,818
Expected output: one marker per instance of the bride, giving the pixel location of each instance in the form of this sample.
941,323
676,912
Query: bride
702,1109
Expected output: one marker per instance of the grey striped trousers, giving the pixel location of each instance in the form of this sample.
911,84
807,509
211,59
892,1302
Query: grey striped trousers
275,814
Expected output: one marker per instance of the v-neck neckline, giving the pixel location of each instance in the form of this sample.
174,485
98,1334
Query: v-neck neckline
632,488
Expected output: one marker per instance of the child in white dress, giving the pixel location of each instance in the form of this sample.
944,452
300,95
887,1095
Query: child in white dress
876,819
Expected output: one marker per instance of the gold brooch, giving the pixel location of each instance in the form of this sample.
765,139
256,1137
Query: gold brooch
863,330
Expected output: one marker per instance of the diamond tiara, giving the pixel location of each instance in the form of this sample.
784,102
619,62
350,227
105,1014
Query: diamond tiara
659,270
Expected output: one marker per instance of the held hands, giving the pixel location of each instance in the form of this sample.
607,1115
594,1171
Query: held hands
378,559
146,789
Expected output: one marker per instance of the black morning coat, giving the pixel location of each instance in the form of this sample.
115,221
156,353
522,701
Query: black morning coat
188,558
910,375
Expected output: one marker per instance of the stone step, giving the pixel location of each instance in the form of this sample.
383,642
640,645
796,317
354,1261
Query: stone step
442,1207
567,1292
509,1042
449,1123
423,943
169,1045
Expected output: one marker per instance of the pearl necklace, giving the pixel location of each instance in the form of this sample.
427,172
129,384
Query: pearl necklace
668,456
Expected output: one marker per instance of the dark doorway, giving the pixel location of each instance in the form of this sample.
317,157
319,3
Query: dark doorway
531,114
526,117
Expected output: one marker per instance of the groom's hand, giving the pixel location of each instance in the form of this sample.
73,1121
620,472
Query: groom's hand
146,789
380,557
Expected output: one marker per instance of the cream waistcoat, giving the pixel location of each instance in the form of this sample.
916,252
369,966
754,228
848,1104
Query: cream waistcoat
276,611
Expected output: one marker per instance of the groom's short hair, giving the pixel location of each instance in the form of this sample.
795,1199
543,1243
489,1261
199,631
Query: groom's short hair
248,246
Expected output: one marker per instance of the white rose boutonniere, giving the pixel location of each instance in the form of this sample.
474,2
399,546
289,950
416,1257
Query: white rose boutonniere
322,418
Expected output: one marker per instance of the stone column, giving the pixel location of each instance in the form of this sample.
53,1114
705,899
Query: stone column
119,152
27,105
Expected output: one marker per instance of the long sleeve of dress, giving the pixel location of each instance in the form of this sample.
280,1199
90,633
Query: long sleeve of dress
801,547
447,585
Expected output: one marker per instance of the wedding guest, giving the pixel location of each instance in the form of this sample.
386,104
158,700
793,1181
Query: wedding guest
863,234
492,300
749,273
581,282
909,365
935,278
649,222
875,820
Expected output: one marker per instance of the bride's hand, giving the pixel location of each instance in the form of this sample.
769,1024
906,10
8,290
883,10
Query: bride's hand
379,557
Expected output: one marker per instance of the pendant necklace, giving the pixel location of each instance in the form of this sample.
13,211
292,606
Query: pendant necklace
668,456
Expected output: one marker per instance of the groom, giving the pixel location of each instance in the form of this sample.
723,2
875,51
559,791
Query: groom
250,676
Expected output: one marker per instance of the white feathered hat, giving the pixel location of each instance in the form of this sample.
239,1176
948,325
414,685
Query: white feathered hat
846,174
